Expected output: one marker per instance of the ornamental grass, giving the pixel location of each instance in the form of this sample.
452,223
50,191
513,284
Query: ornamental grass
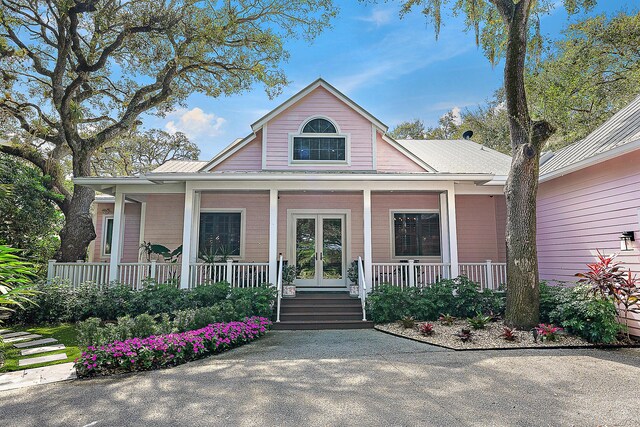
158,351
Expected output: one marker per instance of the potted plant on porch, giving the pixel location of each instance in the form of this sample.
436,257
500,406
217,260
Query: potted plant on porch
289,273
352,275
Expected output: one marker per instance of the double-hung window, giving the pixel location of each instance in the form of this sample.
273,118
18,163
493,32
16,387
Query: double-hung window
319,142
416,234
107,236
220,234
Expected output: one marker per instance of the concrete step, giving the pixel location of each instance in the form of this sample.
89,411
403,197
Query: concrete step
320,301
22,338
320,316
327,324
35,343
328,308
42,359
45,349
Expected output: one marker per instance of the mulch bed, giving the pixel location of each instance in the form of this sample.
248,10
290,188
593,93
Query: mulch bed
488,338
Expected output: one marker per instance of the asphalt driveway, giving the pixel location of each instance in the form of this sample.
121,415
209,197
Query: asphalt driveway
342,378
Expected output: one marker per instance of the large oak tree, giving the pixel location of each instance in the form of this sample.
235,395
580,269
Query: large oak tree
508,30
77,74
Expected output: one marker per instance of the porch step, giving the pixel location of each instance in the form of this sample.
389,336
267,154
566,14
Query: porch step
324,324
321,310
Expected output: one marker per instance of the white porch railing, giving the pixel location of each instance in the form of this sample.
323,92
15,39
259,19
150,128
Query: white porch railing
362,289
76,273
409,274
279,288
238,274
488,274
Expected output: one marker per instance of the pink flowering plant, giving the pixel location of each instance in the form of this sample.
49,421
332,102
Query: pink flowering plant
157,351
547,332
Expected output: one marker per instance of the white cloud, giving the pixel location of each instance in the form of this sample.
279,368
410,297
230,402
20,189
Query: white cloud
457,118
378,17
195,123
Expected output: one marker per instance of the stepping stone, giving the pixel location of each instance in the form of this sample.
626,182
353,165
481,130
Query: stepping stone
34,343
45,349
42,359
4,331
22,338
36,376
15,334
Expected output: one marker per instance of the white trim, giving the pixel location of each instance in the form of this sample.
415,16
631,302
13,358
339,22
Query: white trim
318,116
273,236
408,153
297,176
590,161
143,219
227,152
103,237
347,149
264,147
374,152
392,235
118,228
453,231
195,226
243,227
368,247
187,227
444,228
306,91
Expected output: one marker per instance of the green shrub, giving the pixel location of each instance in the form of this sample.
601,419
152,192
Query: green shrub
548,300
590,316
459,297
160,298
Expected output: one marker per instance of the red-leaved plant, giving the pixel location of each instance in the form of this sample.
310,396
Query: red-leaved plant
628,296
547,332
427,329
604,275
509,334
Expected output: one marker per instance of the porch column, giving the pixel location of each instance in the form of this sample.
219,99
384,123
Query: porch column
189,199
368,252
273,236
116,235
452,230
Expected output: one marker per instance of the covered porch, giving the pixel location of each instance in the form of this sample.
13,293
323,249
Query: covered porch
408,232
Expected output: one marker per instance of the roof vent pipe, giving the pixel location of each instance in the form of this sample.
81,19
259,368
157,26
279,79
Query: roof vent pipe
467,135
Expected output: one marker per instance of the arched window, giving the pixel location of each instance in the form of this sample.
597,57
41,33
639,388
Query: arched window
319,142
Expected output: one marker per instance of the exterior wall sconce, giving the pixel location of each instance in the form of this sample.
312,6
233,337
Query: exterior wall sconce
625,240
106,211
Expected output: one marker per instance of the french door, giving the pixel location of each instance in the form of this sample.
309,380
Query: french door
319,249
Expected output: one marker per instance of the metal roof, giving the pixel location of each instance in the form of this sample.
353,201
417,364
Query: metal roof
458,156
179,166
621,129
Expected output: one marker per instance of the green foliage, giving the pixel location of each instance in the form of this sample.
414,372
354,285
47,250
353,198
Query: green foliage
549,297
16,277
459,297
413,129
30,219
58,302
289,273
408,322
592,317
479,321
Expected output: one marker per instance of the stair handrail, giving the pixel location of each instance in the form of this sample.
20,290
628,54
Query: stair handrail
279,287
362,289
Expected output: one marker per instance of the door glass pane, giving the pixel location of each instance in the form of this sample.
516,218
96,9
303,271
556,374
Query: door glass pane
332,248
306,248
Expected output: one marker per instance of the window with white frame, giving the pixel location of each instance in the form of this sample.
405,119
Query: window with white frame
220,234
320,142
416,234
107,235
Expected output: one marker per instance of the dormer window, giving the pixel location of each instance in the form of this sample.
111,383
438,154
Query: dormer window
319,142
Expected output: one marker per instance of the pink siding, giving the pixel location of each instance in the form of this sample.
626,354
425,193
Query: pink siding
248,158
381,206
256,207
317,201
389,159
319,102
131,231
588,210
164,219
477,226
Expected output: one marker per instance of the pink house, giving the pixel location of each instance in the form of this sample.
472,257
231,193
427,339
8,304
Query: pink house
319,183
589,199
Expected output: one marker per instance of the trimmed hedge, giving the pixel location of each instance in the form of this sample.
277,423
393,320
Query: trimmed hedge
157,351
459,297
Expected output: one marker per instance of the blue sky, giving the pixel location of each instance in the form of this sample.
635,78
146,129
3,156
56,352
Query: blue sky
393,68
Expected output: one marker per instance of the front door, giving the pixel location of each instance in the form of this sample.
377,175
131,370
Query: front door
319,249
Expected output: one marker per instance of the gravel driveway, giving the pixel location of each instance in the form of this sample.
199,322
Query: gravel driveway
359,378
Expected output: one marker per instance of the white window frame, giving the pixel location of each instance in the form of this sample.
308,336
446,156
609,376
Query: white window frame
392,235
338,134
243,229
103,239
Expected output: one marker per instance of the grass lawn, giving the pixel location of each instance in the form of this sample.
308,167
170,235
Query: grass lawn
64,333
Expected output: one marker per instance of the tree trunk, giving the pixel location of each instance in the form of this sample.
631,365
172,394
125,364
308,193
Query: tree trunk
78,230
527,139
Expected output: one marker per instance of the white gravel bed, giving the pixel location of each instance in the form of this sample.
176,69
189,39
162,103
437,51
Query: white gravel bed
487,338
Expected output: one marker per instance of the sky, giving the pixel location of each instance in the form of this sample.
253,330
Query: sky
394,68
